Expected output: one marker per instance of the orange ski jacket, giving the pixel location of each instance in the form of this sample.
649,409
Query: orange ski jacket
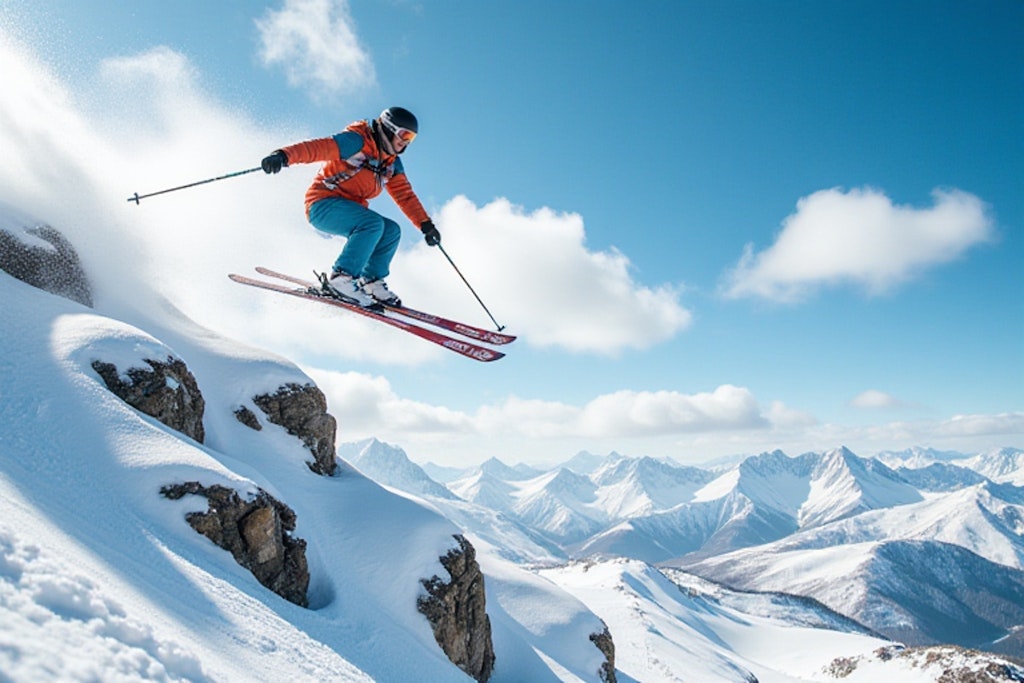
357,169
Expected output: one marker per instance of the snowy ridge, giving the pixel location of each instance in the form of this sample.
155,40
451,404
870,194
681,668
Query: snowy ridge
631,487
1005,465
655,510
570,506
912,591
660,623
916,457
843,484
388,465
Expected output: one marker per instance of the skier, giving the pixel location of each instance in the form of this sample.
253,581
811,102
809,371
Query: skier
359,162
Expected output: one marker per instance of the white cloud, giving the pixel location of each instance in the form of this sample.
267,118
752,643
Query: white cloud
981,425
634,413
536,275
689,427
316,43
530,418
783,417
625,414
873,399
859,237
371,406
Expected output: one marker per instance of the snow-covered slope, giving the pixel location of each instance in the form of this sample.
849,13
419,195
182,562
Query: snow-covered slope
708,526
521,472
586,463
443,474
487,527
1005,465
843,484
665,632
987,519
102,578
916,457
632,487
795,511
583,498
485,489
963,543
656,511
762,499
101,572
561,503
940,476
918,592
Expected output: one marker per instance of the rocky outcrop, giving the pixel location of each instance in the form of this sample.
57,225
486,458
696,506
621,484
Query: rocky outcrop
56,268
941,663
248,418
603,641
456,610
302,410
255,532
166,391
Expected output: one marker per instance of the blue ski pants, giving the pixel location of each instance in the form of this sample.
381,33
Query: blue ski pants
372,238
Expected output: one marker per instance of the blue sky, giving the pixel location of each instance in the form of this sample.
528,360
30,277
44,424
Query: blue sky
718,227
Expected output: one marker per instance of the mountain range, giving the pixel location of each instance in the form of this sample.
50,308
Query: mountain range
867,537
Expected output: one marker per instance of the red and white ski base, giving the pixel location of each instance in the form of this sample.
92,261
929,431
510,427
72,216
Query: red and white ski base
463,348
455,326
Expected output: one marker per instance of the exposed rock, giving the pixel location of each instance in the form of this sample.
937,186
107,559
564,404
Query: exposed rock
167,391
946,663
302,410
255,532
248,418
56,270
456,609
603,641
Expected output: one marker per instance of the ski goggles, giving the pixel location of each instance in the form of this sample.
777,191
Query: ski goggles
403,134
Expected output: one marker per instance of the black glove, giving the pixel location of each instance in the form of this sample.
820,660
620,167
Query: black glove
275,162
430,233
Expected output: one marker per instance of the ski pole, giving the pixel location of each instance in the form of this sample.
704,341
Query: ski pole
500,327
136,197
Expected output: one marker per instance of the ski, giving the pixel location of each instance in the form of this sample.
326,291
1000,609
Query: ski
455,326
464,348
